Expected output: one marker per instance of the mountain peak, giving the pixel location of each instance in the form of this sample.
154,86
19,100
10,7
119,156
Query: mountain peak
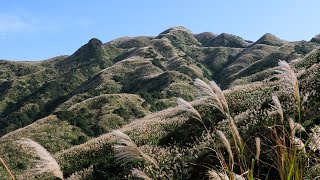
91,54
228,40
90,48
270,39
132,42
95,42
176,28
205,37
316,38
179,34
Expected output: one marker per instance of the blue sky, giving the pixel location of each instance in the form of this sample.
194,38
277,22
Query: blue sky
37,30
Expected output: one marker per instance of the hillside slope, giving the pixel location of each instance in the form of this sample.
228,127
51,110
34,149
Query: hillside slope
70,104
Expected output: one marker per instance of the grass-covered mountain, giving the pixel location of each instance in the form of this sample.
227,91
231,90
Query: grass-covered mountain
70,104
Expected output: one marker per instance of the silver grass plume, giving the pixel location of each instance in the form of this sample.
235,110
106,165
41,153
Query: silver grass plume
235,131
258,148
291,78
121,135
214,175
294,127
221,96
299,144
186,106
46,163
239,177
139,174
127,151
314,143
226,143
299,127
277,106
213,90
206,90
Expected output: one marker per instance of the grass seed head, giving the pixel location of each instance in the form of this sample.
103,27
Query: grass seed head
258,148
226,143
278,107
214,175
291,78
46,163
206,90
186,106
127,151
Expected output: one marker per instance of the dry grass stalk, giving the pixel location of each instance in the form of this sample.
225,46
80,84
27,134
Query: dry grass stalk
7,169
258,148
235,131
139,174
226,143
278,107
281,153
46,163
127,151
292,128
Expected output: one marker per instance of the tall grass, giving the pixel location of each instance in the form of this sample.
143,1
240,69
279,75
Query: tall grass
292,84
291,152
46,162
236,156
291,155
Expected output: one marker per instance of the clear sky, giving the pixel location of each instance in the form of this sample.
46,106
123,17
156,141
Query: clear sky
40,29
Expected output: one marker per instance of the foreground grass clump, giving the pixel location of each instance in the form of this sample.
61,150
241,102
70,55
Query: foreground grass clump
290,153
290,147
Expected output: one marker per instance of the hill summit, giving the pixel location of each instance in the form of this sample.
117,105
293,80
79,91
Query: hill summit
270,39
